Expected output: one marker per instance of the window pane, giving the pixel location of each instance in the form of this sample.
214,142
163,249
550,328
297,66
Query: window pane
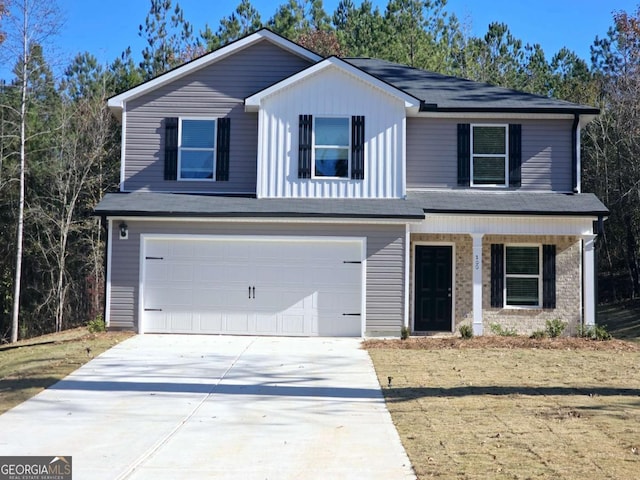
332,162
332,131
198,133
522,291
489,140
523,260
488,171
196,164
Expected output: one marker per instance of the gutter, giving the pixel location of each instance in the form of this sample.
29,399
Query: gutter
104,224
257,215
433,107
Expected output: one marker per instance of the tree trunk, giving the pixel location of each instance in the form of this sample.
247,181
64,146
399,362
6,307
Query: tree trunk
23,158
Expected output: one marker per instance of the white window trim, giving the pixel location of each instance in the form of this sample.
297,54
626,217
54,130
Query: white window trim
214,149
538,276
494,155
314,146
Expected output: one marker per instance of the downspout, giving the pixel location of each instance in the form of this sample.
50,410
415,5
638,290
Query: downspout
105,226
596,261
574,153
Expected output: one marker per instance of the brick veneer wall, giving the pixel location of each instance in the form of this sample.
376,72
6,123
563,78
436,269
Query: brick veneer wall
568,287
523,320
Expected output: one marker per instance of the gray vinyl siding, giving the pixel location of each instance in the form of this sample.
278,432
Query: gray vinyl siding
218,90
385,264
432,153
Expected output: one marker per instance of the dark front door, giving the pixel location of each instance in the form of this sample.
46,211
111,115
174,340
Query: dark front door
433,289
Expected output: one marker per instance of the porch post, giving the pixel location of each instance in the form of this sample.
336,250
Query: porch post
477,283
588,280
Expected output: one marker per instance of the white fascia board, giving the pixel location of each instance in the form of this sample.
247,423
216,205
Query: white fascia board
496,115
116,103
259,220
252,103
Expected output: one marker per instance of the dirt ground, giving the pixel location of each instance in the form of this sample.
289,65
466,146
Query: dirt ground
514,408
560,343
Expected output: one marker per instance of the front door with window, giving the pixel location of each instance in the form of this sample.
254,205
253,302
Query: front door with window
433,283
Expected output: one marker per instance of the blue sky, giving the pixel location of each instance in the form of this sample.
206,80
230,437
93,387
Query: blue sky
106,28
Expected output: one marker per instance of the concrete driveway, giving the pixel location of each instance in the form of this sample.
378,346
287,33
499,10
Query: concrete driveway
191,407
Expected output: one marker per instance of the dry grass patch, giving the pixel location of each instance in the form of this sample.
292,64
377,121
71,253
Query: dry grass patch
478,412
29,366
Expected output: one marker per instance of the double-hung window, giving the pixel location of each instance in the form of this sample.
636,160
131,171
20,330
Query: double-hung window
197,149
523,275
489,155
331,147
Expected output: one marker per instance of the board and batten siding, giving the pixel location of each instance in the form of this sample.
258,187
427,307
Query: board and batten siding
217,90
432,153
331,92
385,264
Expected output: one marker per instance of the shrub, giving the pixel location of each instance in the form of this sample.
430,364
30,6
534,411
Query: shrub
599,332
555,328
404,333
539,334
466,331
501,331
96,325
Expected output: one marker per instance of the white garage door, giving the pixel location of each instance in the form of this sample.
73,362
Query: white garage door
251,285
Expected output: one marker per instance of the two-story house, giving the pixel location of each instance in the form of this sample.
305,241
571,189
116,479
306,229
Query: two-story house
267,190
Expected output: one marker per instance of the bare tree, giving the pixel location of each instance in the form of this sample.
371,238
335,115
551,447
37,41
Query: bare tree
30,23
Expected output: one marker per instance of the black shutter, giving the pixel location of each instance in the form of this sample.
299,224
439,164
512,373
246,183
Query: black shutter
497,275
170,148
515,154
357,147
548,276
304,146
223,141
464,153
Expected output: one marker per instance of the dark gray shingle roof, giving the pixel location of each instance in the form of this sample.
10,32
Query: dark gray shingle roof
411,208
445,93
168,204
508,203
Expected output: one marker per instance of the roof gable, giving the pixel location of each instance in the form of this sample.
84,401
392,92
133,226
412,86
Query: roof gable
116,102
253,102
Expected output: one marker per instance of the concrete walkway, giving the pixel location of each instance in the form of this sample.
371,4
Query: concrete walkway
191,407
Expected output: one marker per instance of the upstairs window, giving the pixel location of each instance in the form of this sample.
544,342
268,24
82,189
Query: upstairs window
331,147
489,155
197,152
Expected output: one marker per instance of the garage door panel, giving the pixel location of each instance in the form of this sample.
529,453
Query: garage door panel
237,323
168,297
266,324
294,325
181,322
338,326
207,285
211,322
156,322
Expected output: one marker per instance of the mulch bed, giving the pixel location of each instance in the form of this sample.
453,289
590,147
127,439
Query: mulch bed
561,343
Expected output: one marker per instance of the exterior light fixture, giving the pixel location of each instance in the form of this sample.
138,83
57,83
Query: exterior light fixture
124,231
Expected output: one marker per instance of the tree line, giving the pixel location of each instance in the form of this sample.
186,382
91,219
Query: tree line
60,146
